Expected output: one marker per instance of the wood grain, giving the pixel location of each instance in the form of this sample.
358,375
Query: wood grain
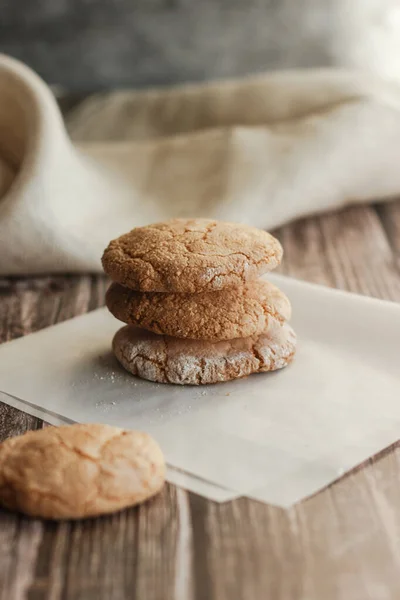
349,250
341,544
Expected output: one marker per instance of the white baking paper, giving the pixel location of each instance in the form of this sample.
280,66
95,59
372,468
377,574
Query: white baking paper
275,437
175,476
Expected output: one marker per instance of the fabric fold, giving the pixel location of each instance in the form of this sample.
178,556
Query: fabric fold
264,151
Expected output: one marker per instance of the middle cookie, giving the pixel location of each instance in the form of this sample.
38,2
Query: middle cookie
221,315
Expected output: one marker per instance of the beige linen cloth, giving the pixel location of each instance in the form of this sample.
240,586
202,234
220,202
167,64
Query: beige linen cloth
264,151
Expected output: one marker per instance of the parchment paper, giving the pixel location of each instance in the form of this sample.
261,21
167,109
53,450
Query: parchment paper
276,437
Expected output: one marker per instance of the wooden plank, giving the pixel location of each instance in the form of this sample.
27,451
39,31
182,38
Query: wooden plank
19,536
260,553
19,542
349,536
348,250
27,305
127,555
342,544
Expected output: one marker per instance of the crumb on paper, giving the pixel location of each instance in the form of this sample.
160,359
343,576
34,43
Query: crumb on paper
105,405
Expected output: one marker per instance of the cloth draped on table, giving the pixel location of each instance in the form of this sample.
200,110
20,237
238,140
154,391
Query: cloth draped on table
263,150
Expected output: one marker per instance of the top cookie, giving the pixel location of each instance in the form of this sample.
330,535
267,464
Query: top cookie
190,255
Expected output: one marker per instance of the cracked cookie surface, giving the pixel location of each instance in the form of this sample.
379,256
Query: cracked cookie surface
190,255
166,359
78,471
222,315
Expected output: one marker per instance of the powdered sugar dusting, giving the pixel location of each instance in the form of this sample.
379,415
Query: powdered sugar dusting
189,362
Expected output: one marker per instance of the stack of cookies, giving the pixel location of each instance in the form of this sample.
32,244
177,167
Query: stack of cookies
195,308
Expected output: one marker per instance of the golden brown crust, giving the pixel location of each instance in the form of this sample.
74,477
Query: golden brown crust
166,359
79,471
223,315
190,255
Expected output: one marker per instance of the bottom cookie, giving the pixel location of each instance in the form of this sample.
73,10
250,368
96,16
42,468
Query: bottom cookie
165,359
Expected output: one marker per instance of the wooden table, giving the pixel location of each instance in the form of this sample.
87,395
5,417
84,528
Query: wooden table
343,543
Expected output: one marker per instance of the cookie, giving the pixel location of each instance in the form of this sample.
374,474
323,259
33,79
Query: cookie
79,471
190,255
223,315
166,359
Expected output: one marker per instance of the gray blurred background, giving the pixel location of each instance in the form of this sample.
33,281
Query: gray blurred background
85,45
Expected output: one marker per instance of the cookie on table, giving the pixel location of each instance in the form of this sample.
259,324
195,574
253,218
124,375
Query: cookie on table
190,255
165,359
223,315
79,471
